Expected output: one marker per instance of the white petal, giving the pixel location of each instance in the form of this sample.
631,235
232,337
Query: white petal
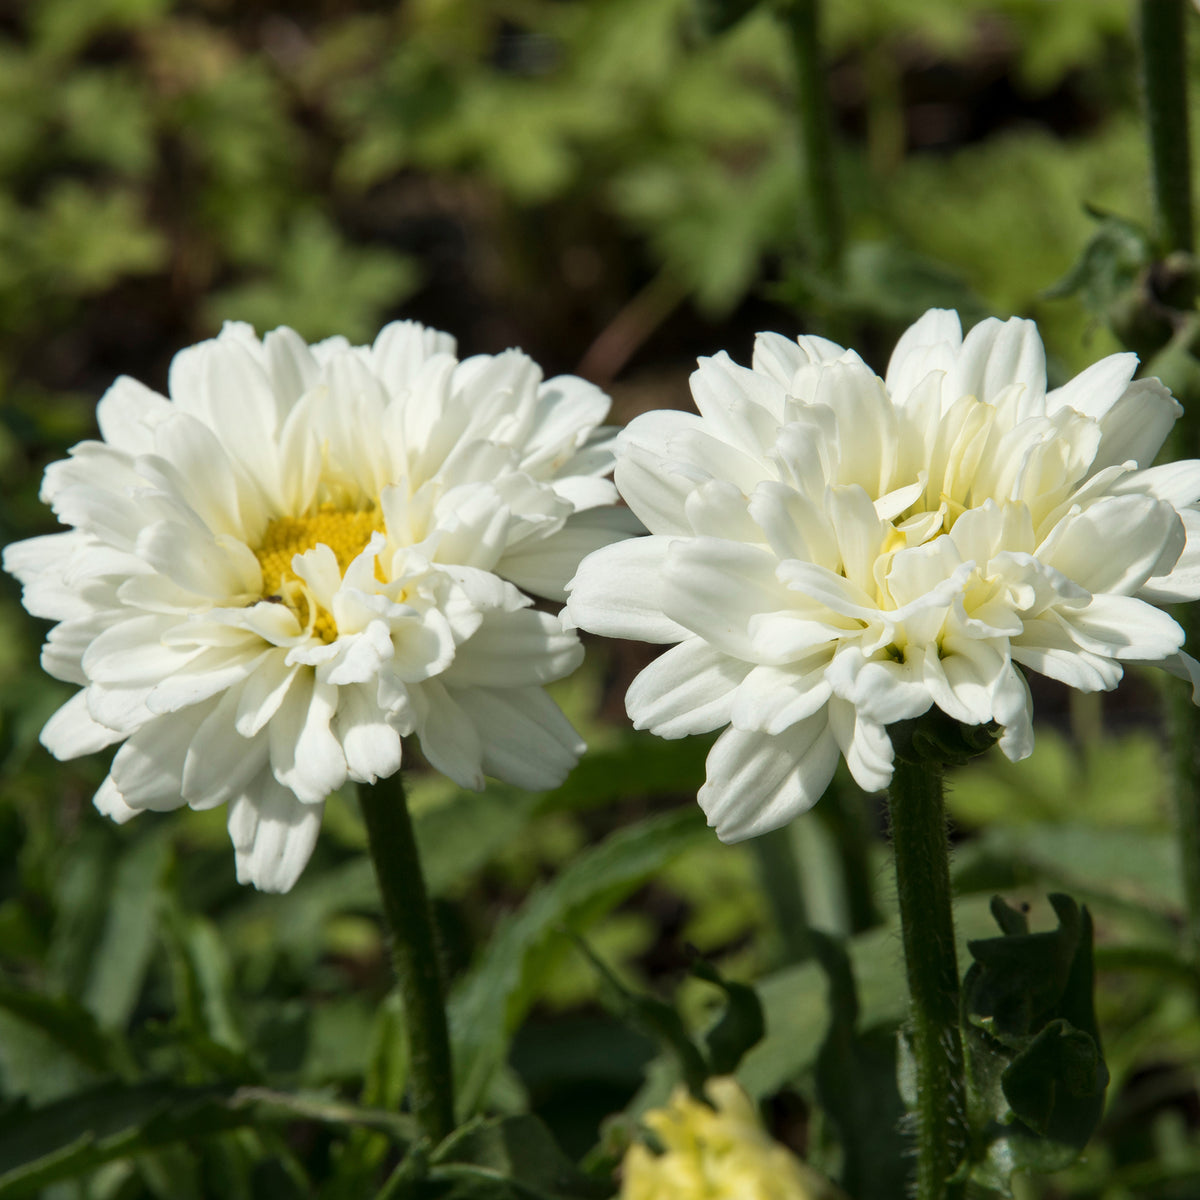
772,699
273,835
1047,647
542,565
220,764
305,756
108,801
617,591
526,740
738,405
1094,391
1137,425
449,739
128,414
931,344
713,587
995,355
1122,627
688,689
72,731
1116,544
148,769
757,783
864,744
371,745
515,649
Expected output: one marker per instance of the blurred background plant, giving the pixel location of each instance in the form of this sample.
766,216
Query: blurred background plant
616,186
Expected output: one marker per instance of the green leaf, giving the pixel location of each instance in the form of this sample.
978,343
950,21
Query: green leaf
321,285
63,1140
133,907
740,1027
655,1018
490,1001
70,1026
1036,1075
1056,1085
511,1157
856,1086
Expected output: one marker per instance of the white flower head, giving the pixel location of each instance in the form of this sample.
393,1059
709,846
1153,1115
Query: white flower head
306,554
832,553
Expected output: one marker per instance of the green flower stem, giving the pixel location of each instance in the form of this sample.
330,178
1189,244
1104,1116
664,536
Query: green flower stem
1162,29
1163,34
918,820
1185,772
409,919
824,210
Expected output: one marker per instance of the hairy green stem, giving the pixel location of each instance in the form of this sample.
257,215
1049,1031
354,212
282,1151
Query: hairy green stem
824,210
1185,772
1163,35
918,818
409,919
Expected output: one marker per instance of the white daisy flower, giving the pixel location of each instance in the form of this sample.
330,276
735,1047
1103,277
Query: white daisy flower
303,556
832,552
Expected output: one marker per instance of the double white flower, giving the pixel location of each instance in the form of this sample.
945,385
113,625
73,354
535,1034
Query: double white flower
307,554
832,552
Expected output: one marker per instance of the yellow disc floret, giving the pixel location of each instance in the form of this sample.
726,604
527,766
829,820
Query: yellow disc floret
345,533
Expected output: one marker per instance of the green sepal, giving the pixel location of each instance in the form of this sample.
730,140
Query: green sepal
937,739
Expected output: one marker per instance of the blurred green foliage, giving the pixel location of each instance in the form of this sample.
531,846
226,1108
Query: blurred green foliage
542,172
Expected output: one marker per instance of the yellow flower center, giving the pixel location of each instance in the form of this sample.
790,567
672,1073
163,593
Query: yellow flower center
345,533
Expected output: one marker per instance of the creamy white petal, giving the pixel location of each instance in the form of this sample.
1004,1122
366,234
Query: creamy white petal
929,345
449,738
1137,533
273,835
688,689
1136,426
525,738
72,731
305,756
757,782
1095,390
542,565
369,741
515,649
618,591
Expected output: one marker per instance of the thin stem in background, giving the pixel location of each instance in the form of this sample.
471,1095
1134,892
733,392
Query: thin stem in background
1162,31
409,918
824,209
779,872
918,817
